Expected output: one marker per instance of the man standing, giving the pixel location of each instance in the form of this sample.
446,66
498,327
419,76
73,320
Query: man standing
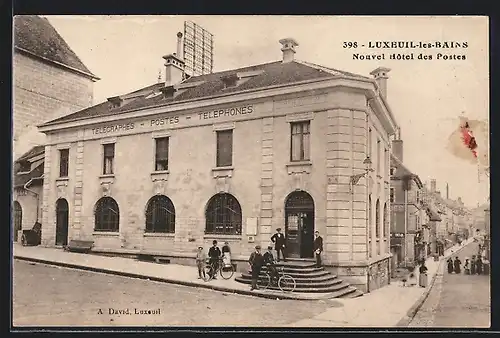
214,255
279,244
256,261
318,248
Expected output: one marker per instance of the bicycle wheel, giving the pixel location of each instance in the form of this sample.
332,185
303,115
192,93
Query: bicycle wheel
286,283
264,281
207,273
227,272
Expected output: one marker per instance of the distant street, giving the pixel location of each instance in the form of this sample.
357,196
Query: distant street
49,296
457,300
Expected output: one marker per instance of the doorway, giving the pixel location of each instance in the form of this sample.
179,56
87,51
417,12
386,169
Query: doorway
18,219
62,214
299,224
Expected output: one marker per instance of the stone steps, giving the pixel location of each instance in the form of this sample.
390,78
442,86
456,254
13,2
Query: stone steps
303,279
310,279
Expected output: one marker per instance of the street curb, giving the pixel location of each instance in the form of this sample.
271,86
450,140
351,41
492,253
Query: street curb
163,280
411,313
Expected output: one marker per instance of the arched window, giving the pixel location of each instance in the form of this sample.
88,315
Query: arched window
18,218
160,215
223,215
387,229
107,215
377,219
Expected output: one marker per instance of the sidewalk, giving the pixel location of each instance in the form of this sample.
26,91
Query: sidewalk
389,306
167,273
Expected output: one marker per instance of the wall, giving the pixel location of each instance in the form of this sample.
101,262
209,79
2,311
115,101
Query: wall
261,178
43,91
29,204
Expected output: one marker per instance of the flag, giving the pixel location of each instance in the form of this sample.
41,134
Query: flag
470,142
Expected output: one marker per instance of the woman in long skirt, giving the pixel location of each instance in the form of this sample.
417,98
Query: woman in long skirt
457,263
450,265
422,278
479,265
467,266
473,265
226,254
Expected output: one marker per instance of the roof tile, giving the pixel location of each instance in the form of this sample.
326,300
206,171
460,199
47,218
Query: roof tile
35,151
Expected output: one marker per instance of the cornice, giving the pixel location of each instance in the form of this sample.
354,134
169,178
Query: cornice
365,86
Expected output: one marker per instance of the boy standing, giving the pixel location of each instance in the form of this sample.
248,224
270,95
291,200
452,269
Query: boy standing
200,262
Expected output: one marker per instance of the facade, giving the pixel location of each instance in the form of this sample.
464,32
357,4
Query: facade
409,236
456,219
49,80
230,156
28,192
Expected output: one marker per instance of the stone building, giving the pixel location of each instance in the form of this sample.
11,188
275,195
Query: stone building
230,156
407,209
49,80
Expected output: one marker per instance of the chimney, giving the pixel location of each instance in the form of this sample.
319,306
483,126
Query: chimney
179,46
380,75
397,149
447,191
288,49
174,65
433,185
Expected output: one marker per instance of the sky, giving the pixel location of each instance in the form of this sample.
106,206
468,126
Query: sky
426,96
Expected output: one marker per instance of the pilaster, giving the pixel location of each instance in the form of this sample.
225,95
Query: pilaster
48,228
266,178
77,229
345,208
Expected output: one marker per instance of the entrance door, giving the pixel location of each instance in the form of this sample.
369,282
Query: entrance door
62,213
18,219
299,224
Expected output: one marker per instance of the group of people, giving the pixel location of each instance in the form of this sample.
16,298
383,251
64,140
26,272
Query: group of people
214,256
471,266
257,260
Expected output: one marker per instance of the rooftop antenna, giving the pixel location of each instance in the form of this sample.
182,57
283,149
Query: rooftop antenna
159,75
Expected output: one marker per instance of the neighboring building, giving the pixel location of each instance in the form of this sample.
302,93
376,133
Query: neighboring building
230,156
481,218
408,240
49,80
28,190
456,223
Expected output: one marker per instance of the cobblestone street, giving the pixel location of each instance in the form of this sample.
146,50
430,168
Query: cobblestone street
460,301
49,296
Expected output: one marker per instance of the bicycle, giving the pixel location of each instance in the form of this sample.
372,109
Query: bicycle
285,283
225,271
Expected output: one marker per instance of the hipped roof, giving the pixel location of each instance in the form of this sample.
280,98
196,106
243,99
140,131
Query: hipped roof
204,86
